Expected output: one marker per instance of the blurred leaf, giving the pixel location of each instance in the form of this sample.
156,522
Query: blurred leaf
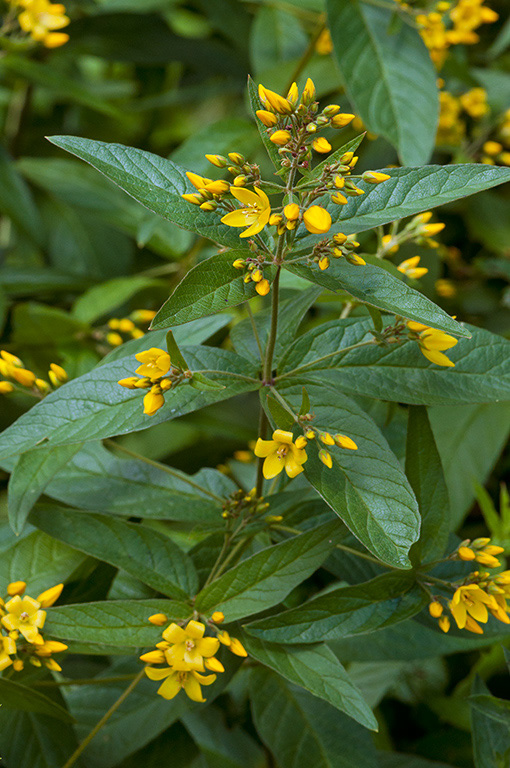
388,75
22,698
30,476
209,287
219,138
222,746
33,740
266,578
38,324
276,36
425,474
310,733
149,555
345,611
16,200
490,733
377,287
101,300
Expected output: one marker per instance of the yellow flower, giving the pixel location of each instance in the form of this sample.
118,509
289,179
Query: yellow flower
50,596
341,120
255,213
273,101
280,453
281,138
25,616
176,680
375,177
470,601
155,363
410,268
16,588
445,288
492,147
269,119
158,619
435,609
188,646
41,18
7,649
475,102
433,342
321,145
317,220
6,387
324,44
153,400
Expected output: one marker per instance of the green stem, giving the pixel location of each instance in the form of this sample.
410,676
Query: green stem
83,681
271,342
233,552
307,55
255,331
163,467
326,357
343,547
226,544
95,730
263,425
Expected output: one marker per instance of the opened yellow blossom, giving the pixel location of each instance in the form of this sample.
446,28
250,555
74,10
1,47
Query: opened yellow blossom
410,268
24,615
254,214
280,453
41,19
470,601
188,647
155,363
177,680
433,343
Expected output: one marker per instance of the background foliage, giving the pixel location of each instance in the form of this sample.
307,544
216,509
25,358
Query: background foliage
170,77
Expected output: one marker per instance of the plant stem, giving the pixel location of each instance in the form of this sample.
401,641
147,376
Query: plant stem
325,357
343,547
307,55
82,681
163,467
271,342
255,331
95,730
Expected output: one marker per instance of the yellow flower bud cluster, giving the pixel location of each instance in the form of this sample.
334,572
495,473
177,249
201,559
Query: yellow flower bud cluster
254,274
339,246
453,23
11,367
410,268
120,329
338,440
187,653
498,151
41,19
157,374
283,452
481,551
242,504
432,342
21,619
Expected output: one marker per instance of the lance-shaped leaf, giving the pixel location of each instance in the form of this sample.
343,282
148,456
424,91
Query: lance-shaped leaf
400,372
96,479
367,487
113,622
315,668
425,473
21,697
94,406
311,733
143,552
267,577
210,287
407,192
157,183
30,476
345,611
377,287
388,74
489,723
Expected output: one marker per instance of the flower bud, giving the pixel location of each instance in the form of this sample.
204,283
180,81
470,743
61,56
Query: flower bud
341,120
317,220
16,588
322,145
291,211
158,619
239,263
326,459
237,158
269,119
6,387
435,609
339,199
218,617
308,92
375,177
263,287
323,263
331,110
280,138
218,160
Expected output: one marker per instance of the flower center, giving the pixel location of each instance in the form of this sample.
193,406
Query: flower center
24,616
282,452
189,645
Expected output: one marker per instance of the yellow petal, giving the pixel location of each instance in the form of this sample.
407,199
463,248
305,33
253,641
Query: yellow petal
174,634
208,646
153,673
281,436
272,466
264,448
192,689
170,687
195,629
437,357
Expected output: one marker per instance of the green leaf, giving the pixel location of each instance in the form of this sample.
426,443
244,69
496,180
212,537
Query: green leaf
388,75
366,488
377,287
316,669
155,182
93,406
38,560
33,740
16,200
409,191
222,746
278,414
102,299
491,735
30,476
334,157
210,287
174,352
310,733
112,622
345,611
143,552
25,699
266,578
203,383
96,479
255,104
276,37
400,372
425,473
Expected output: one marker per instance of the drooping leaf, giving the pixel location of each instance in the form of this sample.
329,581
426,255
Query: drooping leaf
155,182
16,696
267,577
141,551
388,75
316,669
490,728
345,611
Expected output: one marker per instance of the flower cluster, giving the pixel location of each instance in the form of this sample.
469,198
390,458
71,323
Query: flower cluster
13,370
480,595
186,654
157,374
292,123
21,621
118,330
41,19
282,452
